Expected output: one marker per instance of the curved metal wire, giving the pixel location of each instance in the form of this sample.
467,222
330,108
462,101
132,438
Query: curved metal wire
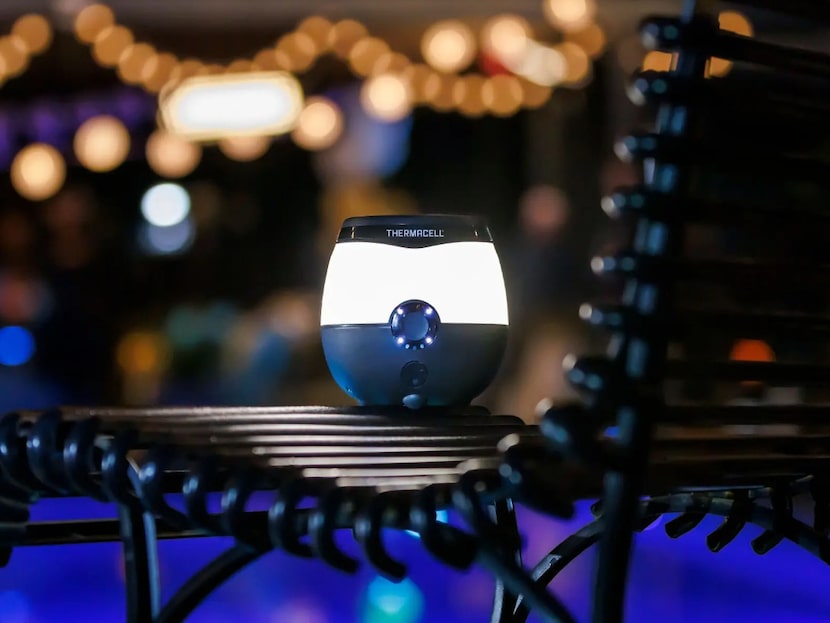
203,583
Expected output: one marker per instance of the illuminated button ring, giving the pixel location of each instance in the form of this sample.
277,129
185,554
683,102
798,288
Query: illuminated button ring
414,324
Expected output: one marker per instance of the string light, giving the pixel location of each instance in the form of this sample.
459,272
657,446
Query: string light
320,124
591,39
534,95
245,148
110,44
467,95
569,14
35,32
171,156
132,62
506,37
318,28
344,35
15,56
448,46
365,54
577,63
38,171
102,143
93,20
386,97
502,95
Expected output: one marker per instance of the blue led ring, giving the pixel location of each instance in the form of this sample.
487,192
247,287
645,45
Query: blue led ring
414,324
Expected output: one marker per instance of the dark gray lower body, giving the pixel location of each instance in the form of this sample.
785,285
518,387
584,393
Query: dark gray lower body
457,367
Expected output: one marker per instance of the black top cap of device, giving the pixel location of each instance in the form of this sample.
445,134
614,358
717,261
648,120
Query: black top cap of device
415,230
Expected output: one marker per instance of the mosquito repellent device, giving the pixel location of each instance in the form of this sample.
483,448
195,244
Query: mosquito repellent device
414,310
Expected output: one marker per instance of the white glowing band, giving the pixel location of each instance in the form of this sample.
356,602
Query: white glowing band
211,107
366,280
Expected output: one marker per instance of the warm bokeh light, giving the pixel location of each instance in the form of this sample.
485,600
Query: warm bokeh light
110,44
569,14
751,350
35,31
344,35
577,64
534,95
506,37
165,205
591,39
543,65
142,352
390,62
38,171
502,95
448,46
102,143
171,156
439,90
736,23
318,28
14,55
418,75
468,97
245,148
132,63
216,107
657,61
157,71
365,54
386,97
320,124
93,20
299,48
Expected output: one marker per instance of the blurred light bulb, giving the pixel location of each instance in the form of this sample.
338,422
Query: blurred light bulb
502,94
591,39
569,14
506,37
244,148
468,95
543,65
92,20
318,28
215,107
386,97
172,156
577,64
133,61
534,95
15,55
300,50
38,171
157,71
365,54
35,31
344,35
110,44
448,46
320,124
102,143
165,205
171,240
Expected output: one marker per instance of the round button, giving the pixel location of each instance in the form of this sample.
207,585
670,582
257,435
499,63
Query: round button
414,374
414,324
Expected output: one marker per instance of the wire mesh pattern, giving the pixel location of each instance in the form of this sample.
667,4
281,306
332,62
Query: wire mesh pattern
692,439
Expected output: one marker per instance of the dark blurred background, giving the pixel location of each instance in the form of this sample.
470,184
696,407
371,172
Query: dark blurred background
139,267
